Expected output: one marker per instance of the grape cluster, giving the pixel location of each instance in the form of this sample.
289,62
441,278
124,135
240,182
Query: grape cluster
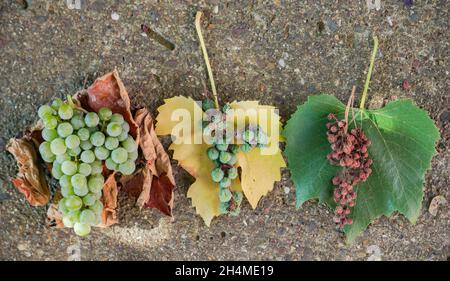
224,154
77,143
349,152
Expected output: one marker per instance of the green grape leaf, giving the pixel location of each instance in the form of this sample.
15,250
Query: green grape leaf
403,143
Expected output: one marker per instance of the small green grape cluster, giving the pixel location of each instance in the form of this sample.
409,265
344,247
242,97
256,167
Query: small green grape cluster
76,143
253,136
224,154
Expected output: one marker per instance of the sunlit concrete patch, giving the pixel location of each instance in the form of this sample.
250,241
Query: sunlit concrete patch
138,237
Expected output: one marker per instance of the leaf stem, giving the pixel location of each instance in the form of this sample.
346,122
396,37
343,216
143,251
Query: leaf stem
369,73
205,56
349,105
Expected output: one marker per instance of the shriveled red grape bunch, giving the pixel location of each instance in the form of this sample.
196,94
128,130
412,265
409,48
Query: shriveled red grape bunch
349,152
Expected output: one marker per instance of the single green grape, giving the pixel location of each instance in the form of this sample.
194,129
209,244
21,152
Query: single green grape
67,222
123,136
74,152
232,160
127,167
119,155
64,181
224,157
58,146
62,208
73,214
222,147
50,122
91,119
69,167
125,127
77,121
248,136
97,195
89,199
81,190
45,150
116,117
105,113
85,169
234,148
262,138
86,145
111,165
56,170
49,134
72,141
64,129
45,110
129,144
73,202
83,134
232,173
56,103
223,207
207,104
96,167
95,183
97,139
111,143
98,219
245,147
114,129
81,229
225,195
237,197
217,174
87,156
226,108
62,157
133,155
87,216
78,181
225,182
65,111
66,191
213,153
101,153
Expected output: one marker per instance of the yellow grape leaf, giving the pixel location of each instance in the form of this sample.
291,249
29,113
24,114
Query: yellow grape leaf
192,157
259,172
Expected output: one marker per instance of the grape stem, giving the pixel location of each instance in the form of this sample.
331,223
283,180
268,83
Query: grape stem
349,105
205,56
369,73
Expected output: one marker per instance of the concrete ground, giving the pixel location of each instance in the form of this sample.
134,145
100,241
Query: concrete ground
278,52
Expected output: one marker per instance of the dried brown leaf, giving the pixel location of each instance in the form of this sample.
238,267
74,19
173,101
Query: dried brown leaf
110,191
30,179
54,217
109,91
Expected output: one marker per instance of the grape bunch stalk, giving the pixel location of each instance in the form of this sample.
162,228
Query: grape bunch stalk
77,144
350,153
224,154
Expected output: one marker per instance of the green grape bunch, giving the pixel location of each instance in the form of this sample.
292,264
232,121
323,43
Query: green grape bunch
77,144
223,153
